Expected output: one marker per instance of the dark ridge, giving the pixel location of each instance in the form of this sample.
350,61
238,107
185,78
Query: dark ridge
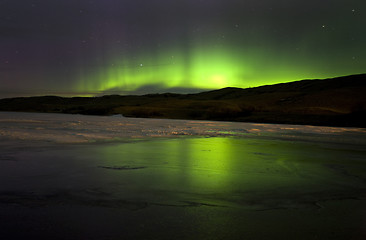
317,84
225,93
337,101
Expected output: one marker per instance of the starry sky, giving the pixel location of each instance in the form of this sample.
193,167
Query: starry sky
98,47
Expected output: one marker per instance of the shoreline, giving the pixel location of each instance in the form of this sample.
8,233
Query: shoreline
338,102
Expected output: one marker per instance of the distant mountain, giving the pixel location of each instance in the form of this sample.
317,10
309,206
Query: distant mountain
334,102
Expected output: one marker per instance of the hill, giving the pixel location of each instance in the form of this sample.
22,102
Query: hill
333,102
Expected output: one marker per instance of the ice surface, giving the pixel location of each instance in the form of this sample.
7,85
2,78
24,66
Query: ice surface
63,128
90,177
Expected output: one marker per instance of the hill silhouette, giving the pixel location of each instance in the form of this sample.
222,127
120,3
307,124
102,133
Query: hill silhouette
332,102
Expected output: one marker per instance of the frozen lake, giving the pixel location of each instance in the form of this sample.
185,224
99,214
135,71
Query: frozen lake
89,177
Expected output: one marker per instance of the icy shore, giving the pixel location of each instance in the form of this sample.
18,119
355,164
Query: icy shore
66,128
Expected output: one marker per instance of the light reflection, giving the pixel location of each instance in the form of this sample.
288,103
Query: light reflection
205,165
258,173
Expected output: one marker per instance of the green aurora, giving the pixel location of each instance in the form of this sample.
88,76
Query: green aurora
204,67
87,48
226,61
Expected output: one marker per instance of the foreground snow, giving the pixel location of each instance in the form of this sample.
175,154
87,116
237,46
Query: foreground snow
63,128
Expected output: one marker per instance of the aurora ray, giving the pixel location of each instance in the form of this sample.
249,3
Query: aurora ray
96,47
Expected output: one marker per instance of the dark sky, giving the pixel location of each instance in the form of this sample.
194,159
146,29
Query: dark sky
79,47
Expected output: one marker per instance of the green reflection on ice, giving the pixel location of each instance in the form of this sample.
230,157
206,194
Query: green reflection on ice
206,164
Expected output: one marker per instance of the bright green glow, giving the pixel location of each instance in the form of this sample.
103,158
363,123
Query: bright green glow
199,66
199,69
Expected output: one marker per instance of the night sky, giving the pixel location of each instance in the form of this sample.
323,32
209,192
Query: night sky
80,47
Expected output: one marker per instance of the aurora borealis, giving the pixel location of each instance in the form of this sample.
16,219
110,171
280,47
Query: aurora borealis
80,47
